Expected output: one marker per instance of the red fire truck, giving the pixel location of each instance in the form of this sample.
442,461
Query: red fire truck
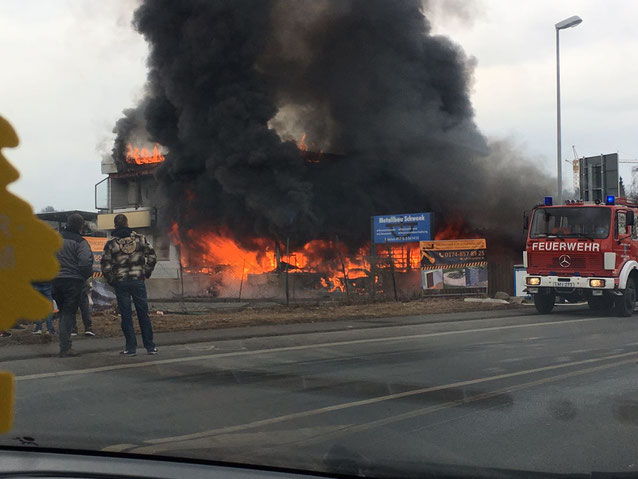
583,251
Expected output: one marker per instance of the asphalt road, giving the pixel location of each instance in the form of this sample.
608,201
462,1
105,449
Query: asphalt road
517,390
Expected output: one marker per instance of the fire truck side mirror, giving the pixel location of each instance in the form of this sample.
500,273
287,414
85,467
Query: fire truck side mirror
525,221
630,218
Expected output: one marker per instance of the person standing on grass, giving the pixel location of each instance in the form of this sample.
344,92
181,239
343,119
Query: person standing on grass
128,260
76,266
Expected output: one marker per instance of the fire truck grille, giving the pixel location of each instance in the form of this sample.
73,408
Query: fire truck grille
577,262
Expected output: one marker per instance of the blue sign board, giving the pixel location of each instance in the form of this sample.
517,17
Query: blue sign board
402,228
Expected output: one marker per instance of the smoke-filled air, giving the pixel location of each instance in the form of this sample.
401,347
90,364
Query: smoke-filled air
301,118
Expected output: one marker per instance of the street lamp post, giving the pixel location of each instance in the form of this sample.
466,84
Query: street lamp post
567,23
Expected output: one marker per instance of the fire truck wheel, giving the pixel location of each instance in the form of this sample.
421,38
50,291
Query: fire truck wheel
625,304
544,302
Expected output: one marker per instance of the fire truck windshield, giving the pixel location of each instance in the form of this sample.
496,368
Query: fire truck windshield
576,222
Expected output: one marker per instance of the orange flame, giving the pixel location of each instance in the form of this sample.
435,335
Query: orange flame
310,152
301,144
213,250
404,256
143,157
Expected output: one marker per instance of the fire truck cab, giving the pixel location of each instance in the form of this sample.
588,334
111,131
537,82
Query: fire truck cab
583,251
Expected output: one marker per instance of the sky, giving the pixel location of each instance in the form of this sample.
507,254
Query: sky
69,68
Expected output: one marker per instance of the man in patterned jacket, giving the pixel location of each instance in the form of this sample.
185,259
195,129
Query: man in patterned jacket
128,259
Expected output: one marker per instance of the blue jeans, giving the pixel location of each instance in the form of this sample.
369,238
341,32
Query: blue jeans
136,289
45,290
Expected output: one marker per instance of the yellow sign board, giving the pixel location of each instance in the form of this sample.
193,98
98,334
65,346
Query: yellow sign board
453,254
452,245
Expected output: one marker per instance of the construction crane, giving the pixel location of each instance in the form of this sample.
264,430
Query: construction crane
575,171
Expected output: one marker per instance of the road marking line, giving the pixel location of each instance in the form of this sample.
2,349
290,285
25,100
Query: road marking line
347,430
116,367
156,446
353,429
378,399
118,447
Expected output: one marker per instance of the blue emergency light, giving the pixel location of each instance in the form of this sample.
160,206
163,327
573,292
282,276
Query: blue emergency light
548,201
611,200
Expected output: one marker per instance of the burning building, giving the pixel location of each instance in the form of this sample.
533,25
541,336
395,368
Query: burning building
212,263
129,188
230,87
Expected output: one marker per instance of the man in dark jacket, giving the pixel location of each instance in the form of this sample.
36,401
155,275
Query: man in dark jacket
127,260
76,261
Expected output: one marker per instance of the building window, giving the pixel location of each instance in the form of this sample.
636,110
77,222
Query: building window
102,194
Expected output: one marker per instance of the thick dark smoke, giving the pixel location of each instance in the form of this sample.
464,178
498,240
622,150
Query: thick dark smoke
232,83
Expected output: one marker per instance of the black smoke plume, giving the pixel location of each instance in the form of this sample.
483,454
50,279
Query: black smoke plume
231,84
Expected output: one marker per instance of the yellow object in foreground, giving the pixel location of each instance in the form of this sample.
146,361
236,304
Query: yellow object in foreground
27,248
7,394
27,255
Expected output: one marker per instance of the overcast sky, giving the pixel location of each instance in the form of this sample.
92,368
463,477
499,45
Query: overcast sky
70,67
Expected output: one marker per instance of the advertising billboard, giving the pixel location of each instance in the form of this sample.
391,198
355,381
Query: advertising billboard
402,228
449,264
